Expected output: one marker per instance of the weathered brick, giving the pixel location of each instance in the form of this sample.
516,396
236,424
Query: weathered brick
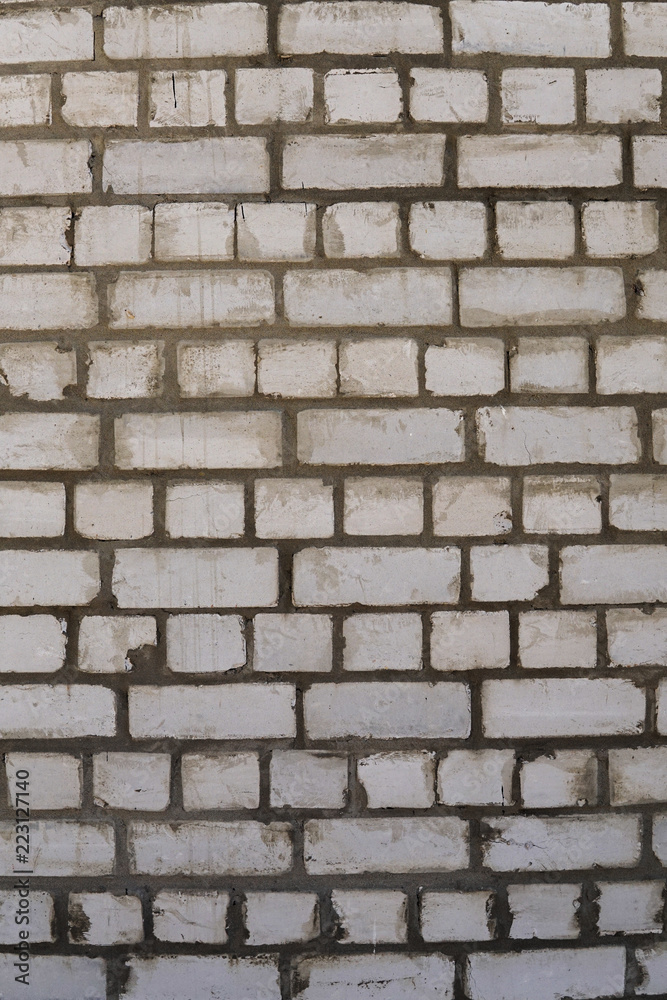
186,31
531,29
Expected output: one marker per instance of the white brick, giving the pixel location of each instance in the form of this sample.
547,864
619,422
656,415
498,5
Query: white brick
362,95
551,364
652,961
185,31
405,296
115,234
636,638
561,843
239,711
477,505
476,778
100,99
630,907
660,436
466,366
32,644
54,782
662,701
292,642
361,229
562,707
48,441
197,231
558,30
644,29
638,776
448,95
131,780
515,435
40,371
205,510
118,370
203,644
198,440
32,578
113,510
563,778
281,917
275,231
338,163
62,849
648,153
470,640
660,837
380,506
568,505
546,975
631,364
375,576
620,228
406,844
190,917
308,779
219,165
410,977
47,301
196,578
46,36
539,161
638,503
623,95
297,368
41,916
538,96
198,847
170,977
541,296
455,916
387,710
175,299
540,911
558,639
379,367
293,508
105,643
33,235
25,100
225,368
448,230
220,781
182,98
34,510
543,229
398,780
508,572
379,437
382,642
42,167
102,919
56,977
265,96
613,574
370,917
353,28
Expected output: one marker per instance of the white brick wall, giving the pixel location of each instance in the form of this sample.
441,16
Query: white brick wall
332,499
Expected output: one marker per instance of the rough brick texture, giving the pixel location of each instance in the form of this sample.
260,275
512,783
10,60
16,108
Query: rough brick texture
333,499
